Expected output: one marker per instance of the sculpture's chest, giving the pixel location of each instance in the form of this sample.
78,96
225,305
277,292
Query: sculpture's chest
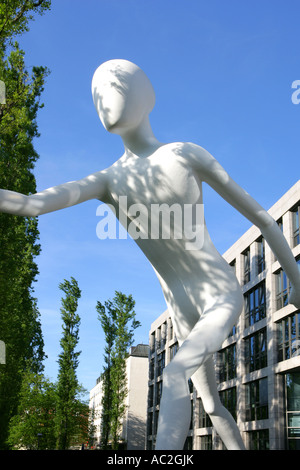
161,178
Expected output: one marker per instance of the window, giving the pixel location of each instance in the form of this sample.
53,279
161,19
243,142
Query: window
260,255
227,363
228,399
159,387
160,363
257,400
152,342
204,419
289,337
192,415
163,337
246,256
296,236
256,351
150,396
173,350
259,440
151,370
206,442
171,330
282,289
158,338
233,331
280,225
255,306
156,417
292,384
150,423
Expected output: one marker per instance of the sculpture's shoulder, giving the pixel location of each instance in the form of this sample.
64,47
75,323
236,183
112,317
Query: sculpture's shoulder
194,155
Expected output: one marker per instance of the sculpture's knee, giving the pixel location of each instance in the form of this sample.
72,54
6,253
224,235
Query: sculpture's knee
213,407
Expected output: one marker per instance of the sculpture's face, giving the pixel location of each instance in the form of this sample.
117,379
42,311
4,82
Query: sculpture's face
122,94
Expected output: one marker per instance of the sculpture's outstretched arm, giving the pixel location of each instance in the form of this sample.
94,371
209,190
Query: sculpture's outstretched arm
65,195
209,170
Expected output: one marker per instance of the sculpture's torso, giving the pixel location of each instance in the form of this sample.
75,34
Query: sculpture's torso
190,278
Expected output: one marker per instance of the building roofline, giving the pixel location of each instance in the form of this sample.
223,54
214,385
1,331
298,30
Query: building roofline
280,207
141,350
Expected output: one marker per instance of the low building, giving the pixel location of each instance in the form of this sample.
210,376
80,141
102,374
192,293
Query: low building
95,405
135,419
258,366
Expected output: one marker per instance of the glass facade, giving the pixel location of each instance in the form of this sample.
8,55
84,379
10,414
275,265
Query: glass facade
227,363
255,304
292,381
206,442
296,235
260,391
260,255
256,351
282,289
289,337
258,440
247,270
228,399
257,400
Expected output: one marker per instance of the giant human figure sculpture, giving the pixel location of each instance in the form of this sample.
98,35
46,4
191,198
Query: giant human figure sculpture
202,294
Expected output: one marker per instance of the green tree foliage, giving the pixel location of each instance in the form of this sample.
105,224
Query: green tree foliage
15,16
68,388
34,424
117,318
19,316
54,416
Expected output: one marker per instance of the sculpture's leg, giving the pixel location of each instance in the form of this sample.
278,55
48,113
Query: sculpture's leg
205,382
174,412
205,339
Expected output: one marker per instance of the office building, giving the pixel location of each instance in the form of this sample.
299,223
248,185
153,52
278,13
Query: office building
258,366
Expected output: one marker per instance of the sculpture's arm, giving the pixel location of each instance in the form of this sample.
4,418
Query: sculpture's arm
209,170
65,195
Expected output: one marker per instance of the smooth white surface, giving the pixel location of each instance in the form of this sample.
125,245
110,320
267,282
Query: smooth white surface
203,296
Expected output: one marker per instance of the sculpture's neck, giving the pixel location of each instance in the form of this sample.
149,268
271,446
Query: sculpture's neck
141,141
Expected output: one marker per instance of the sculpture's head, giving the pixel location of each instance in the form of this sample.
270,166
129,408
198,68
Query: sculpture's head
122,94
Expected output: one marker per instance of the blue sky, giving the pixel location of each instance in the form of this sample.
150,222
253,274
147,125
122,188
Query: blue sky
222,73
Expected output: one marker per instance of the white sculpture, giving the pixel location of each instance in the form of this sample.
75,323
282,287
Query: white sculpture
203,296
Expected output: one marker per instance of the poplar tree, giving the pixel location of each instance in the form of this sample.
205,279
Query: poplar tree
68,387
118,321
19,316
